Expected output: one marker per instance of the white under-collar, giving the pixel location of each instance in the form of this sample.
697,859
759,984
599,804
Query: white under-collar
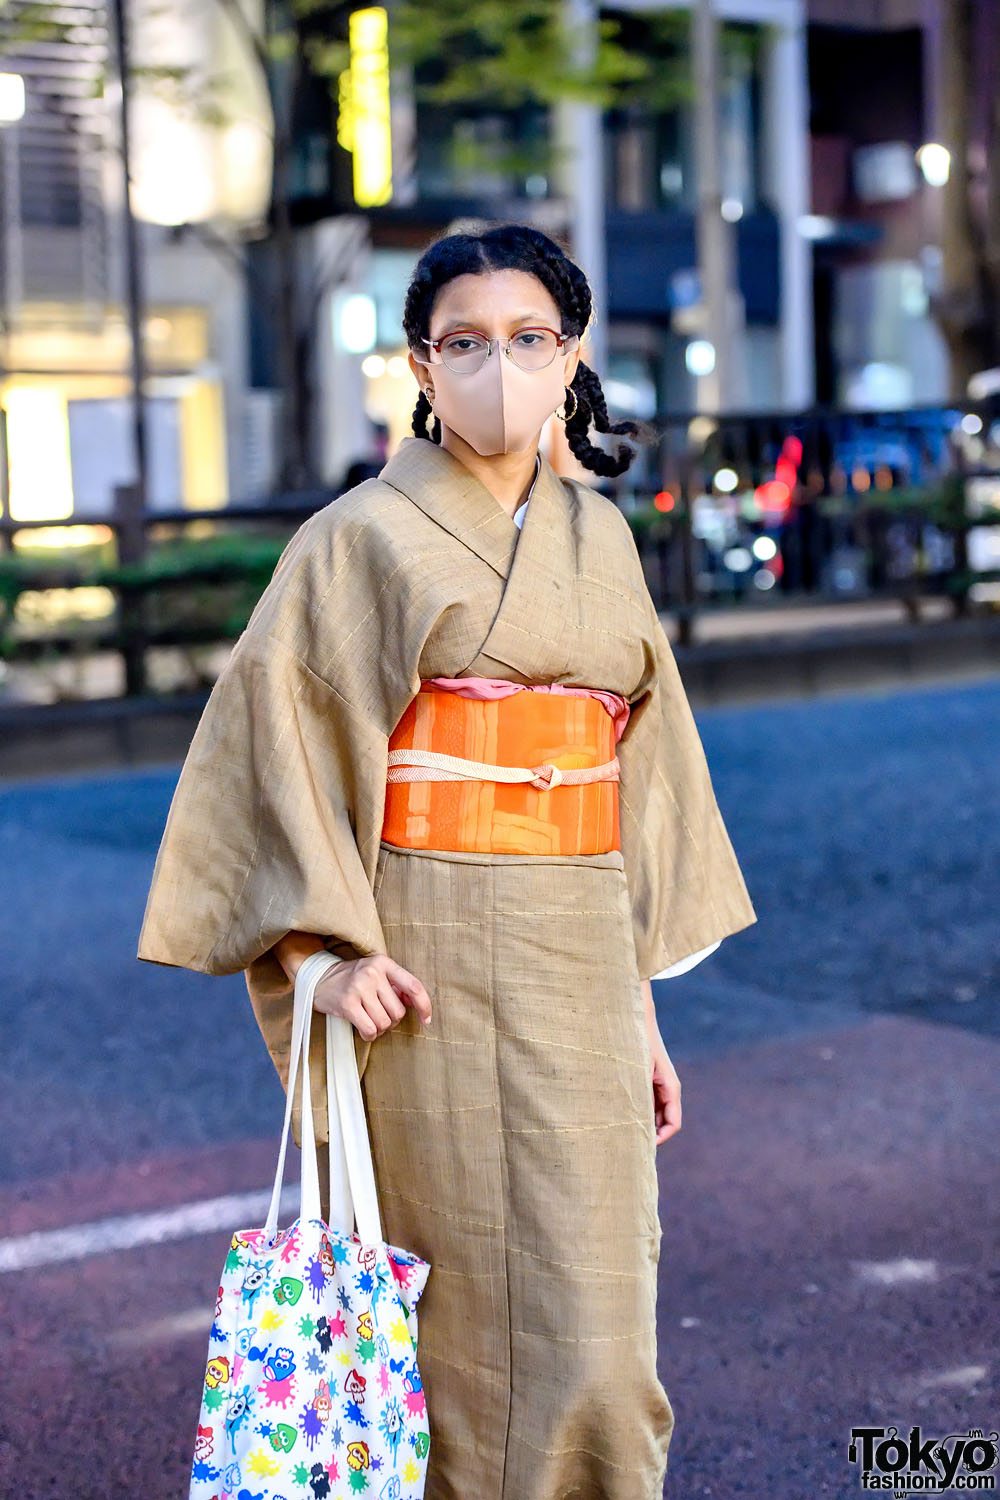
519,513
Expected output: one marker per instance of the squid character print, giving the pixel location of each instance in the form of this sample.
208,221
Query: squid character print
311,1389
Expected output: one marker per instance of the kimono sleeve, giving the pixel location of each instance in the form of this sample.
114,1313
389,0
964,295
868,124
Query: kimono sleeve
686,886
275,822
262,832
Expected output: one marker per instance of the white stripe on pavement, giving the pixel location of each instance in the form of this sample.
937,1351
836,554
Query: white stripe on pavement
176,1326
51,1246
892,1272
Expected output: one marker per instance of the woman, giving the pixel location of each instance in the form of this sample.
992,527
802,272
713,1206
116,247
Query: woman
464,613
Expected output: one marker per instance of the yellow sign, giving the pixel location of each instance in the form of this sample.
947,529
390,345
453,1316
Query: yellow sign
363,125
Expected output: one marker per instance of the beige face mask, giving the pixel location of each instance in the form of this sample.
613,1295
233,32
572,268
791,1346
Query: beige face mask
500,408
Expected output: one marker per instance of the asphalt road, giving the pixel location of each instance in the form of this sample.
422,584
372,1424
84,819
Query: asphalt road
829,1210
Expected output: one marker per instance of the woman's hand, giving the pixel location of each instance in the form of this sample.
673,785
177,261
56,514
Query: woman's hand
666,1084
372,993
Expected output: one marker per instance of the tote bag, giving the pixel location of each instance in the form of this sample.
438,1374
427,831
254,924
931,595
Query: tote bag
312,1387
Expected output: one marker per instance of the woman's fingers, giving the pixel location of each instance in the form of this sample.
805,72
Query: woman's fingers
670,1116
373,1011
391,1002
666,1099
383,1004
372,993
409,987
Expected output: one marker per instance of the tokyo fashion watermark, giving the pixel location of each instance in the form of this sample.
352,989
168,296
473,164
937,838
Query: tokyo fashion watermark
915,1465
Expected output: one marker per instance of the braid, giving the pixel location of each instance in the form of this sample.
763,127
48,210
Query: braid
591,409
421,412
522,247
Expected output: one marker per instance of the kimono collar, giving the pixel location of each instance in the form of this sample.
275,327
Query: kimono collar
519,513
451,495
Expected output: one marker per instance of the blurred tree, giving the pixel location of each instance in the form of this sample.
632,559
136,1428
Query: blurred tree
505,53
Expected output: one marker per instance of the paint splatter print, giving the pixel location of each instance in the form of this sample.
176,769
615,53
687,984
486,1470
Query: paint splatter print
302,1400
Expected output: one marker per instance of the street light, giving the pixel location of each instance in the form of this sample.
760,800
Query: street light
699,357
934,161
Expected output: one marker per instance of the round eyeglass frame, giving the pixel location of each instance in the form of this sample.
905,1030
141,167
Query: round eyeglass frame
562,339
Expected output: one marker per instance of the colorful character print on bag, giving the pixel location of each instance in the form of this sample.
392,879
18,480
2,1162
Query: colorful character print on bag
316,1392
311,1388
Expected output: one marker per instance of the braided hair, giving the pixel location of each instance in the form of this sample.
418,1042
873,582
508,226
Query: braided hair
520,247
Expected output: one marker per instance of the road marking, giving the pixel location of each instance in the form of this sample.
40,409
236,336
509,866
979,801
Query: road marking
128,1232
892,1272
966,1375
176,1326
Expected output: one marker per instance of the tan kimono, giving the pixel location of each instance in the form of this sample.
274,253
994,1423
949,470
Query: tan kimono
513,1138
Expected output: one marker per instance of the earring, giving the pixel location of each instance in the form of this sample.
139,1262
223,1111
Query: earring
429,392
564,416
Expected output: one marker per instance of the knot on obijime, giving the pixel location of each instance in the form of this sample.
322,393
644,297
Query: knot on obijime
546,777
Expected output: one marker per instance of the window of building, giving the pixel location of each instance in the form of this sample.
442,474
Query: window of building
650,140
479,151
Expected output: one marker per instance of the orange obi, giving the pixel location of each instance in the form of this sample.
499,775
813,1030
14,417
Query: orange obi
486,765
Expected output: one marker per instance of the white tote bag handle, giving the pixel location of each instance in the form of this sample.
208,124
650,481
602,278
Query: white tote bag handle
353,1194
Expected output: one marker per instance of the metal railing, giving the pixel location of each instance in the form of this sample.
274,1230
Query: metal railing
878,505
136,581
768,509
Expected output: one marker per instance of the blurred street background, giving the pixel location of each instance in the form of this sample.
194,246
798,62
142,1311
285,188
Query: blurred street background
789,213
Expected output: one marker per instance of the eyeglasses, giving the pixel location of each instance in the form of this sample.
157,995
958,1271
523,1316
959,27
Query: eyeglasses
466,350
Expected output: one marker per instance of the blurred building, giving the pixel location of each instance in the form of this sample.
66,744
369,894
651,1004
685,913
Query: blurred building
830,118
823,107
464,162
872,220
64,357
